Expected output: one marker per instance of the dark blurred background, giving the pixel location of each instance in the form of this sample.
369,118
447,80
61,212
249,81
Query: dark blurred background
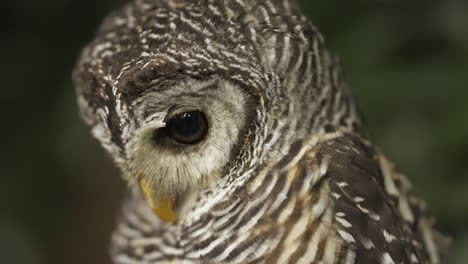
407,61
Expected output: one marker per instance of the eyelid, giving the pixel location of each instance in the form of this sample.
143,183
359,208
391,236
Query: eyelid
179,109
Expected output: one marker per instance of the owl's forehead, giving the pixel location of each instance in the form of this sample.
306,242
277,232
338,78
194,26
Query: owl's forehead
145,45
188,38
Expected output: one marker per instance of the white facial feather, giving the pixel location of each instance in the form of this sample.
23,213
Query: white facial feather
176,170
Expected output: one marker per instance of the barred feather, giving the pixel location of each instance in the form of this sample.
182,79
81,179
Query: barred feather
286,174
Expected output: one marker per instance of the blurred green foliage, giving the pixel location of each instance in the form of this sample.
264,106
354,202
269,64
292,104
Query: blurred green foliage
407,62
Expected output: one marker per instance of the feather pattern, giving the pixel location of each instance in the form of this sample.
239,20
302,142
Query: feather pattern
286,173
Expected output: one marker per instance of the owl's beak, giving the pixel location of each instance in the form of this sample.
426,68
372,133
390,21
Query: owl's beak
162,206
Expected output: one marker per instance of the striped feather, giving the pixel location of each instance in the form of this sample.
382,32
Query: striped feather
294,180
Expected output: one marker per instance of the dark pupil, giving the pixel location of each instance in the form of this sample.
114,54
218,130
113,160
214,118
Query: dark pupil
186,124
188,127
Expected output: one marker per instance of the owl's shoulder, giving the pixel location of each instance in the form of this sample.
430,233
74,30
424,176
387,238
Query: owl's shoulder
376,212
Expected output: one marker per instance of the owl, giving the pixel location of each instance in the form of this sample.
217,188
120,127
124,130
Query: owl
240,141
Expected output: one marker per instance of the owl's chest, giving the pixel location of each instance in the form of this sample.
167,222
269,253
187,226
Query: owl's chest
296,231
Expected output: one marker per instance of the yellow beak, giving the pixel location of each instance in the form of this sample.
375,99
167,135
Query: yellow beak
162,206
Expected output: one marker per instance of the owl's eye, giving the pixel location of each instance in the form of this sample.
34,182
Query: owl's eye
187,128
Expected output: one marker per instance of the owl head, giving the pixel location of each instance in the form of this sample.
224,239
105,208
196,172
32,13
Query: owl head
192,97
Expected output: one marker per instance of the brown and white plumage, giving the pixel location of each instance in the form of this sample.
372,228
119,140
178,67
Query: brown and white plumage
284,173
